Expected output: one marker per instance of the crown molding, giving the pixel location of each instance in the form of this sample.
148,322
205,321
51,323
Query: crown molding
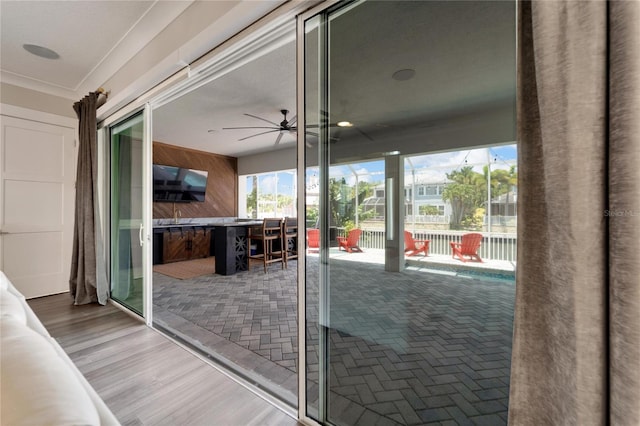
226,28
37,85
156,19
152,23
39,116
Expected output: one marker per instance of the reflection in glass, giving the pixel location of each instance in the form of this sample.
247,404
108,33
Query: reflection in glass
415,337
126,212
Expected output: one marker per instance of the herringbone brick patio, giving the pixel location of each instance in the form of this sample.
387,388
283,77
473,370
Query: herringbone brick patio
404,348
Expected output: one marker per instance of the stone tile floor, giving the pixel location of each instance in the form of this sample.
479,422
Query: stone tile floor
416,347
249,319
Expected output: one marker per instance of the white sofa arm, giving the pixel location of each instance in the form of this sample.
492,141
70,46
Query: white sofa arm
39,382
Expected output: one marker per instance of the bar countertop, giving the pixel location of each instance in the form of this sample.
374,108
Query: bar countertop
212,222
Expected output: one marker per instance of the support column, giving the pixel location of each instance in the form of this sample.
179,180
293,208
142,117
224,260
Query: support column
394,212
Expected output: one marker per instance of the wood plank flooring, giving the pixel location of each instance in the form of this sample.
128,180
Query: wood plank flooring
145,378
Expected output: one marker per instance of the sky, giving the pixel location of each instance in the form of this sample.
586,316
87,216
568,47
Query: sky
433,167
430,168
283,181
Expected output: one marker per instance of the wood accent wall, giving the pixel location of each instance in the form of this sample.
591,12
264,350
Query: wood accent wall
221,198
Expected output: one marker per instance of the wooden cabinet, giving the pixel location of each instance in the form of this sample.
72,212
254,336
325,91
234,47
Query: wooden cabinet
201,243
184,243
174,244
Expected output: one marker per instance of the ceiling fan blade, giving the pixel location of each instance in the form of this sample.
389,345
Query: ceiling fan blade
306,141
263,119
278,139
364,134
316,135
315,126
251,127
293,120
339,129
258,134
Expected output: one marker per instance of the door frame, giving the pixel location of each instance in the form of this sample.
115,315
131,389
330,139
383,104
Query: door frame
301,184
104,199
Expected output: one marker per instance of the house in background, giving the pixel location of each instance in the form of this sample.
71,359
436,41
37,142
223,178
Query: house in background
427,202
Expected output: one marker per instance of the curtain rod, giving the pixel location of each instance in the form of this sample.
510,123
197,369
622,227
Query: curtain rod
101,91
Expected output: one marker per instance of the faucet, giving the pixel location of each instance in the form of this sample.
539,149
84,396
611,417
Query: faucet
176,214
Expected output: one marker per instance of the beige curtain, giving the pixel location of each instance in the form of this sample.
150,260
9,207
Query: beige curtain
87,283
576,350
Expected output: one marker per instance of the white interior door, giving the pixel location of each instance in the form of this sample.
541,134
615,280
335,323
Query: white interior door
37,168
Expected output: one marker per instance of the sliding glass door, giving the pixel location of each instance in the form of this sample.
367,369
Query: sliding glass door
129,235
395,335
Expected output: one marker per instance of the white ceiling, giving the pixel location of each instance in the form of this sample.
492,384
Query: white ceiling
462,52
262,88
93,38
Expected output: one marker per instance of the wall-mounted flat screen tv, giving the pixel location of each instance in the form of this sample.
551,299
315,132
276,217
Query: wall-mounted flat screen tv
178,184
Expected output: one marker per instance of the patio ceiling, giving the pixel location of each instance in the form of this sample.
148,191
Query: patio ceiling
463,58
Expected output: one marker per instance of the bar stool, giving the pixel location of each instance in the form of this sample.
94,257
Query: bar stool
290,238
266,235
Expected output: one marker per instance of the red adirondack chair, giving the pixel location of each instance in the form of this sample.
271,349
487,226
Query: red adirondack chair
313,239
414,247
467,247
350,243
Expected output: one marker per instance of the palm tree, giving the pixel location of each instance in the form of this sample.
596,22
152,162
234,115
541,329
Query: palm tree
502,181
252,198
465,194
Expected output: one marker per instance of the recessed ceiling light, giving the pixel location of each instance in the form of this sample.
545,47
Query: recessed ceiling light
41,51
403,75
345,124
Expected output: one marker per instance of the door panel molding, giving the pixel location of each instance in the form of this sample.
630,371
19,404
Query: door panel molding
38,196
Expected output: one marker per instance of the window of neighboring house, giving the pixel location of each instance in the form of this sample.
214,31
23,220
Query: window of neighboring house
429,210
431,190
421,191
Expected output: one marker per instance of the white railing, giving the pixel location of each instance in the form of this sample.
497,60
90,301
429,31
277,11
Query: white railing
503,220
495,220
430,218
495,246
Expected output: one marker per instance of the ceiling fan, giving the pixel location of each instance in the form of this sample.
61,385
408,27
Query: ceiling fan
284,126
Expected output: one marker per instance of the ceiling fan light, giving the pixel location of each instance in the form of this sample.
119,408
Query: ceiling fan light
345,124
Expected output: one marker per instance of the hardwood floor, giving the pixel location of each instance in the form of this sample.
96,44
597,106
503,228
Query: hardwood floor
145,378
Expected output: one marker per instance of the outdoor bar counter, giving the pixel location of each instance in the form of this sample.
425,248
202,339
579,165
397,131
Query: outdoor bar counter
229,240
230,246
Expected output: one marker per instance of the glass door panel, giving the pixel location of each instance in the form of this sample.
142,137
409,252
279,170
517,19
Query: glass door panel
127,270
393,336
